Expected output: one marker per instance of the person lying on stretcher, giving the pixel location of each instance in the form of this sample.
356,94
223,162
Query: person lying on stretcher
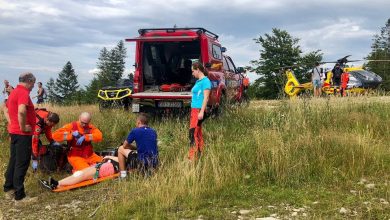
108,167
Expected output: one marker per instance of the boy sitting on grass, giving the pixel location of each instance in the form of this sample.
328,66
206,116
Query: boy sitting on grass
146,157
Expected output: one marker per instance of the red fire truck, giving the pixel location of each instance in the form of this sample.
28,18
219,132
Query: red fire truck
163,77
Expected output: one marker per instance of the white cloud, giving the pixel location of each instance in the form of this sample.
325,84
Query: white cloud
97,45
336,37
7,6
241,50
46,10
93,71
43,35
103,12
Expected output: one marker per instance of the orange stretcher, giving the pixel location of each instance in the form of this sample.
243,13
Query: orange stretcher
86,183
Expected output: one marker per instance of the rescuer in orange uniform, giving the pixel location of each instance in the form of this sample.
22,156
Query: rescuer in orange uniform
80,135
344,83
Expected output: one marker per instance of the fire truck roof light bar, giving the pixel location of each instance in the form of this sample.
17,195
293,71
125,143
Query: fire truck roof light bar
169,30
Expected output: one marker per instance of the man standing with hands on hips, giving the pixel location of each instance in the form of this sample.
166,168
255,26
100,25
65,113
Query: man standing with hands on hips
20,114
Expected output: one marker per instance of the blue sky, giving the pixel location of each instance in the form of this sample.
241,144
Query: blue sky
41,36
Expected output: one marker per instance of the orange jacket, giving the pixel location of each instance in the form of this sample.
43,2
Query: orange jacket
91,133
245,81
40,128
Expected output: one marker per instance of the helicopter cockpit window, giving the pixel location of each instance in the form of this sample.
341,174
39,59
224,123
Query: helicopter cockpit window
364,74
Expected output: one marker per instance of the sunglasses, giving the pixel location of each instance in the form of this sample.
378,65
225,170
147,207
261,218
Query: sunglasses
84,123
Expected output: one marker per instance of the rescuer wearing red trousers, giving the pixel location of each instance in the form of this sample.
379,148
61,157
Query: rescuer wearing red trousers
200,96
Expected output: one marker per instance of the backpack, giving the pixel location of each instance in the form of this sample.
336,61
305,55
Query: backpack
54,159
337,73
48,162
44,95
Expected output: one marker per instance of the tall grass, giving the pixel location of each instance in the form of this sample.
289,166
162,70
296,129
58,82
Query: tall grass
285,144
306,142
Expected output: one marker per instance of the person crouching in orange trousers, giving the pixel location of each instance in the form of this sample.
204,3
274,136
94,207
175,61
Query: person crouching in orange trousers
80,135
344,83
200,96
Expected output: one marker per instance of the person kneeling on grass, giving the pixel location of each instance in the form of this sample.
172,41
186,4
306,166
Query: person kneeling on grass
145,159
108,167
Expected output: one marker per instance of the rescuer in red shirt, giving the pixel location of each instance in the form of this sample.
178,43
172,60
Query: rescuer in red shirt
20,114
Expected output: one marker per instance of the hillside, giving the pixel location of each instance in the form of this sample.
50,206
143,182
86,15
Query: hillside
311,158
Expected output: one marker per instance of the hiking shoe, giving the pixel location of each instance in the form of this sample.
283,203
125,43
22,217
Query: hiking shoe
123,178
10,194
45,184
26,200
53,183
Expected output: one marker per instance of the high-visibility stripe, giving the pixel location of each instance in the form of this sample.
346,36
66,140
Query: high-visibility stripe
90,137
65,136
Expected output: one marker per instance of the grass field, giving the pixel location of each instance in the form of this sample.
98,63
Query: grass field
310,158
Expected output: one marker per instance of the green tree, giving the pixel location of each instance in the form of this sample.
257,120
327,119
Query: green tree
306,64
91,90
103,65
51,90
111,64
279,50
131,77
118,56
381,51
67,84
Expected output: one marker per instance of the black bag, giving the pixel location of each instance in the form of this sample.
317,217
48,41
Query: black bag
132,160
54,159
48,162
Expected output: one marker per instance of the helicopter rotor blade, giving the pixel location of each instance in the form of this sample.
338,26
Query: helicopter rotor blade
378,60
287,67
329,62
344,59
354,61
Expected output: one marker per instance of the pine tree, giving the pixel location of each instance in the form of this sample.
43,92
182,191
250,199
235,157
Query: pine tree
118,56
67,84
131,77
111,64
381,51
51,91
103,66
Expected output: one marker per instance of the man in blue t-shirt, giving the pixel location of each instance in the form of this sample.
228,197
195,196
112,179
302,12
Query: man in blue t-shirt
143,156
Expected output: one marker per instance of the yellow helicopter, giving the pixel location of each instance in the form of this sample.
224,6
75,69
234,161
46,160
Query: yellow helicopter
357,80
